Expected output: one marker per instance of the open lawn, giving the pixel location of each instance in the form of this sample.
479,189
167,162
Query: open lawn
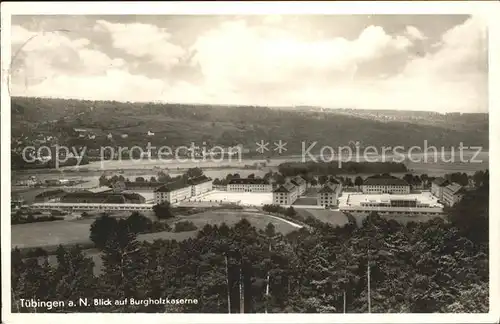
306,201
51,234
259,220
324,215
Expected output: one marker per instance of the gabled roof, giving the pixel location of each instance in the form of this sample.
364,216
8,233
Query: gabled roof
384,180
287,187
455,188
172,186
334,180
441,182
298,181
330,188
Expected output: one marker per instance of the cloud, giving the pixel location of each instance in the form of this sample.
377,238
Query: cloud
143,41
238,56
413,32
242,63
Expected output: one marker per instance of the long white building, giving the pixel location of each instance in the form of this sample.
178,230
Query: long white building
179,191
381,184
249,185
393,205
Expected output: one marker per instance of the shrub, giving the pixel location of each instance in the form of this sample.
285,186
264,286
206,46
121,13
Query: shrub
184,226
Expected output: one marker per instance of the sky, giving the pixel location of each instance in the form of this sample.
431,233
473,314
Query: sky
405,62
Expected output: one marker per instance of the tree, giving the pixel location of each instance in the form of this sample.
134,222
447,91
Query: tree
140,179
314,182
194,172
152,179
139,223
103,181
163,210
251,176
101,229
409,179
124,264
358,182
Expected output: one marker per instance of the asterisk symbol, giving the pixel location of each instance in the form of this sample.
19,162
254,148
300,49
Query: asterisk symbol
262,146
280,146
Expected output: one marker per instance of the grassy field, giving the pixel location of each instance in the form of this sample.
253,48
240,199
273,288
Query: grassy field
258,220
50,234
65,232
324,215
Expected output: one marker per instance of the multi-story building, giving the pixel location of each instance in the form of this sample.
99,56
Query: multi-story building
328,195
392,205
173,192
200,185
381,184
452,194
249,185
300,183
437,187
285,194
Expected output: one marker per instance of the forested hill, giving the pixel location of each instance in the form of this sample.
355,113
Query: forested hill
178,124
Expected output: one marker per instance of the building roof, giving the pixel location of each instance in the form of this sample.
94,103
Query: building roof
454,188
172,186
334,180
441,182
298,181
248,181
384,180
330,187
99,189
107,197
50,193
287,187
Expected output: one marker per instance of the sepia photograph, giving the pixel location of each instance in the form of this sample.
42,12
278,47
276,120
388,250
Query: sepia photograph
226,162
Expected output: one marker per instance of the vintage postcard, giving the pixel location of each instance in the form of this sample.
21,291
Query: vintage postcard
221,162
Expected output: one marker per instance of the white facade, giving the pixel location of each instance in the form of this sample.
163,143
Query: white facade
89,206
285,194
201,188
249,187
173,196
452,194
329,194
393,211
381,189
183,193
326,199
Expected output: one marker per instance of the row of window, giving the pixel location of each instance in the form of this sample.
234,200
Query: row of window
398,213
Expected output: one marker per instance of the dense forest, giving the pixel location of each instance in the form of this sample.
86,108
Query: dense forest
176,124
437,266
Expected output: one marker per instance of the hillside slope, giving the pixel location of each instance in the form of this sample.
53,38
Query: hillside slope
178,124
